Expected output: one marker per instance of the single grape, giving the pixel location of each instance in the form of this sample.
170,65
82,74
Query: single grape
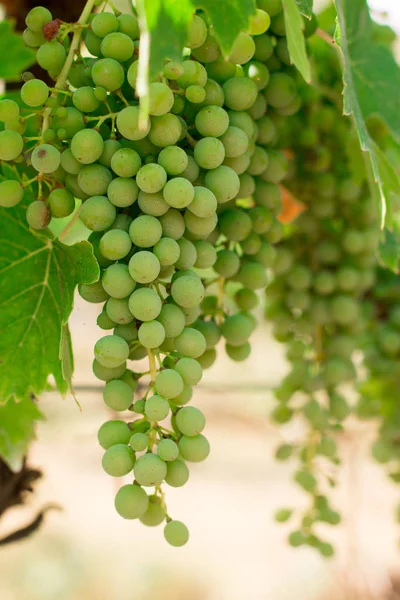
37,17
155,514
190,421
112,433
117,281
206,254
131,500
237,329
94,179
281,90
51,56
209,153
128,124
165,130
33,39
194,449
151,178
34,92
61,202
144,267
190,343
11,145
168,383
122,192
240,93
111,351
38,214
173,224
178,192
145,304
187,291
161,99
238,353
156,407
108,73
259,22
243,49
150,470
223,182
87,146
117,45
139,442
84,99
104,23
207,52
177,473
117,395
227,263
11,193
118,310
98,214
115,244
126,162
235,141
173,159
172,319
9,110
107,373
167,450
128,24
93,292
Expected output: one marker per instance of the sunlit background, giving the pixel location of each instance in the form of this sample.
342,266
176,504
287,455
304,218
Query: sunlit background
85,551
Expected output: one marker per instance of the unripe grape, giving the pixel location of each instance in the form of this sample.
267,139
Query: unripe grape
11,193
38,215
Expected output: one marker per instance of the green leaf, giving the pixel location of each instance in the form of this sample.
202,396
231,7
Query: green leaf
163,25
228,18
295,38
16,57
38,276
371,88
17,423
305,7
389,250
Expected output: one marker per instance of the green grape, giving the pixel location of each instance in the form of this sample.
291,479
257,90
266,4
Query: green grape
38,215
112,433
176,533
45,158
122,192
240,93
85,100
156,407
128,24
266,130
173,159
51,56
145,304
210,331
109,149
131,501
208,51
190,370
238,164
206,254
259,22
238,353
126,162
104,23
144,267
243,49
344,310
209,153
9,110
208,358
108,73
197,32
258,108
117,395
167,450
178,192
69,162
69,123
117,281
151,178
169,383
128,332
167,251
277,167
173,224
118,46
195,94
237,329
177,473
214,94
258,161
173,70
37,18
98,214
155,514
133,73
187,256
128,124
107,373
235,141
94,179
187,291
235,224
193,74
152,204
61,202
190,421
33,39
151,334
11,193
200,226
111,351
117,310
190,343
93,42
278,24
192,170
165,130
212,121
11,145
87,146
194,449
223,182
172,319
221,70
93,292
150,470
104,321
161,99
118,460
227,263
243,121
145,231
281,90
139,442
247,186
246,299
34,92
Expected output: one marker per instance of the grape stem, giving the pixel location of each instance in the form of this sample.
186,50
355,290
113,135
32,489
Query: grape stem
62,78
152,365
191,140
325,36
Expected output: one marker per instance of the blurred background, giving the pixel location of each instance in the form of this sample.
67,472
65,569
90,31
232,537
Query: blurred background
85,551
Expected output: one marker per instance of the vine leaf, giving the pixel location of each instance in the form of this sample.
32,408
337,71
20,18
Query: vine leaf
17,430
371,89
12,46
295,38
38,276
305,7
389,250
229,18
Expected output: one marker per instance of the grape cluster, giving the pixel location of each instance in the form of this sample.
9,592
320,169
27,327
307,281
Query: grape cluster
182,207
321,272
